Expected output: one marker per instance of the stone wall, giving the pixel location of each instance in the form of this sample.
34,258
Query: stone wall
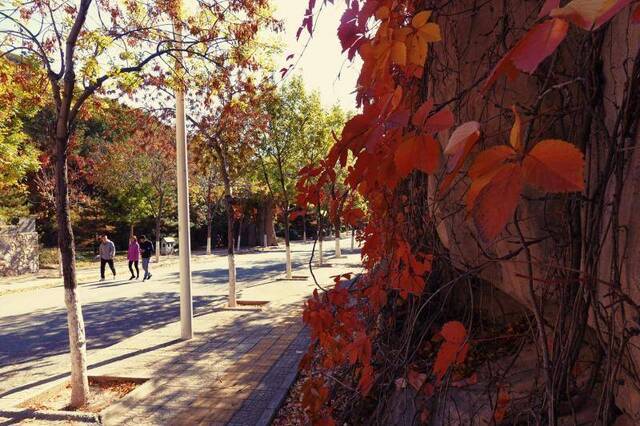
19,249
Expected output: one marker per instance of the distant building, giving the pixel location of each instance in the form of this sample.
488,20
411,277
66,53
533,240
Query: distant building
19,253
167,245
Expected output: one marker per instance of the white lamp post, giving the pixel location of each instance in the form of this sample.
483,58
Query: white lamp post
184,237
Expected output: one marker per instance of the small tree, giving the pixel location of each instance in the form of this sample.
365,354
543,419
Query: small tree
231,122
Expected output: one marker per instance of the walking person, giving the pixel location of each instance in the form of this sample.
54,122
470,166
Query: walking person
133,255
146,250
107,253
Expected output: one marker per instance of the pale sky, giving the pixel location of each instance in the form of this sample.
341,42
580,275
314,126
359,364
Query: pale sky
322,66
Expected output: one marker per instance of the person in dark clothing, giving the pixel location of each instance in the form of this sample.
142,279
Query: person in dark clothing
146,251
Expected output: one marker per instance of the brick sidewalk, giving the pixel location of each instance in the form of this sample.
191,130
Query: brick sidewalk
236,370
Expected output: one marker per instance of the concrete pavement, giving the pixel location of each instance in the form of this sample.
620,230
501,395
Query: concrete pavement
132,329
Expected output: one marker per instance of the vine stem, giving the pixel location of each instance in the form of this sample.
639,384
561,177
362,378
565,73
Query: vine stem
542,334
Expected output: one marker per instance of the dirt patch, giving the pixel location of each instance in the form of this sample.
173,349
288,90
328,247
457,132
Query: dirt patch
291,412
102,393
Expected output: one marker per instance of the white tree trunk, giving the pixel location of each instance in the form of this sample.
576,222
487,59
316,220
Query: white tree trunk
209,245
59,263
265,240
338,250
289,273
78,349
353,231
232,280
239,236
304,235
157,251
320,254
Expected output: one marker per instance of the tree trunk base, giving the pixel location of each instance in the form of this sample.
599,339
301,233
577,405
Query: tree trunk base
78,349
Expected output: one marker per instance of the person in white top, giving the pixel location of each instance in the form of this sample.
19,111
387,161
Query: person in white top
107,253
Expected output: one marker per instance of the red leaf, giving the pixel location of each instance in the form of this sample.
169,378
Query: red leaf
453,350
454,332
497,200
536,45
420,116
554,166
417,153
635,17
348,32
439,121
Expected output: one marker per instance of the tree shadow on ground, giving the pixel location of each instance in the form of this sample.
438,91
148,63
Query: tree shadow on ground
40,334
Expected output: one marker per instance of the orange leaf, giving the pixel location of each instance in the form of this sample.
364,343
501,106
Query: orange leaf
396,98
382,13
515,137
489,160
497,200
399,53
484,168
420,19
430,32
554,166
417,152
536,45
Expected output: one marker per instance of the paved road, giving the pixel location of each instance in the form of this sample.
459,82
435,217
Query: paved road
33,324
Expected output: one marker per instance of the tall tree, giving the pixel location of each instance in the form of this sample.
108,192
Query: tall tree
231,118
300,132
81,56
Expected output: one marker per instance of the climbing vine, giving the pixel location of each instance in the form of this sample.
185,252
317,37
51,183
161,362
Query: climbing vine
430,134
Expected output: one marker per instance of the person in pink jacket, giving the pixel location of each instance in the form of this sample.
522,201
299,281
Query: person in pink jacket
133,254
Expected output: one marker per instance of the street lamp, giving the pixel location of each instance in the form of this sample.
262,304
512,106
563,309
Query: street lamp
184,237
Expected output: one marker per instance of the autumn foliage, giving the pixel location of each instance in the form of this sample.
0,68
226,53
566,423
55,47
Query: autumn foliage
402,134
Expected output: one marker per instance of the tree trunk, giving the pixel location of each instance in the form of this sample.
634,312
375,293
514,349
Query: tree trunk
269,228
157,240
228,199
131,230
209,220
353,232
239,234
304,228
338,250
60,273
319,238
158,224
230,252
287,243
66,244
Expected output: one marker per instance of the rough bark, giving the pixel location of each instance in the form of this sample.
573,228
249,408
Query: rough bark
603,85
